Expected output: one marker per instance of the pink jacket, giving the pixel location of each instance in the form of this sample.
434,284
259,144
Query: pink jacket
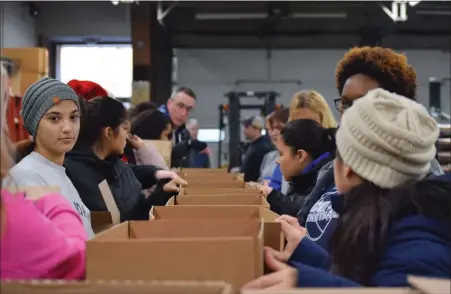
148,154
41,239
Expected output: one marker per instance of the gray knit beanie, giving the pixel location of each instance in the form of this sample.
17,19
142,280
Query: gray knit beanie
40,97
387,139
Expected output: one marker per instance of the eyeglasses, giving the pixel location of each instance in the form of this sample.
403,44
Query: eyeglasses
342,106
182,106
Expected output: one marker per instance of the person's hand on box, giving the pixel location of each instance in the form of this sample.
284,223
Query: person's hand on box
254,185
284,277
293,233
166,174
172,186
265,189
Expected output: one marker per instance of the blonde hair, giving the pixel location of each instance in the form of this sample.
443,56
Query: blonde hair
6,160
314,101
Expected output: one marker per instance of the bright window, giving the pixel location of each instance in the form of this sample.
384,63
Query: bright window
210,135
111,66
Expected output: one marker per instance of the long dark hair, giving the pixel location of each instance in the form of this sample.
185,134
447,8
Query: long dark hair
97,114
310,136
149,124
360,237
139,108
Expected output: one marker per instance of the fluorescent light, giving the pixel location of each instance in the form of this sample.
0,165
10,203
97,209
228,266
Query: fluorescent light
434,12
236,16
320,15
229,16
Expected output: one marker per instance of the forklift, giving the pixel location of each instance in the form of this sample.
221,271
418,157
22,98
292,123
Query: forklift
230,117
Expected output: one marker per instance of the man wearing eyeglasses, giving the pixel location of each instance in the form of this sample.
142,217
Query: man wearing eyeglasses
178,109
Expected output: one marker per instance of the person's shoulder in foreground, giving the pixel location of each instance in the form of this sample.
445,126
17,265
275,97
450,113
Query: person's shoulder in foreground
419,221
41,239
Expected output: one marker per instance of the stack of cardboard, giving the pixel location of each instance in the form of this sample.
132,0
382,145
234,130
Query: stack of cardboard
33,64
216,235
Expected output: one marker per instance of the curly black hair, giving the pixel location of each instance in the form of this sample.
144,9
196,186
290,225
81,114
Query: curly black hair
388,68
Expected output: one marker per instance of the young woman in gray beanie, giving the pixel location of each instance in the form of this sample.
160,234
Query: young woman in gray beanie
392,222
51,115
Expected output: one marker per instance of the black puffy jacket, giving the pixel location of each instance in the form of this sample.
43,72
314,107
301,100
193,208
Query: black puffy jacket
87,171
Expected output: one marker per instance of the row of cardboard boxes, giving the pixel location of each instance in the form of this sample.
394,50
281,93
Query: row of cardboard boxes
214,230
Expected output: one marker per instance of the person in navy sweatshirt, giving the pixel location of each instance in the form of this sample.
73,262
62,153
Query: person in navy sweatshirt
392,221
361,70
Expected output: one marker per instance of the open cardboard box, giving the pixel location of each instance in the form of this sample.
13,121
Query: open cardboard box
208,170
179,249
219,200
101,221
215,184
113,287
272,231
222,191
206,174
419,285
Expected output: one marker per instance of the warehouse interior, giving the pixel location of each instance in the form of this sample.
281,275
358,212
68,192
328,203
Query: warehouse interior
216,47
225,147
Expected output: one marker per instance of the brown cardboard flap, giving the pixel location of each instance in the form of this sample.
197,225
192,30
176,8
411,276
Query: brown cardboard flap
201,170
212,211
215,184
100,221
221,191
195,228
272,231
240,258
110,202
203,211
430,285
220,200
114,287
118,232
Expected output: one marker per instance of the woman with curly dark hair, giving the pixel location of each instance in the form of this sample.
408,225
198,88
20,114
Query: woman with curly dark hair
361,70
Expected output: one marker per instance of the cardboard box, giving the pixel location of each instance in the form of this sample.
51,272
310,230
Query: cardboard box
164,148
33,59
179,249
418,285
210,170
272,234
206,174
221,191
101,221
114,287
219,200
215,184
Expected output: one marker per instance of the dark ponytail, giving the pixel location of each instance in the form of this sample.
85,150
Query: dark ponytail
360,237
23,149
97,114
310,136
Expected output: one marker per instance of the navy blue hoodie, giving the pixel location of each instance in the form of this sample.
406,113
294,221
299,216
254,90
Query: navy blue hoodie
416,244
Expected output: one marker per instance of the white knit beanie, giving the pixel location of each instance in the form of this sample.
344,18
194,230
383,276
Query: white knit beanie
387,139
